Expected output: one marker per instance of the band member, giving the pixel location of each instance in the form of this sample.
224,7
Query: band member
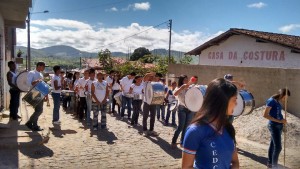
109,80
88,88
239,85
184,114
67,86
82,97
116,87
160,109
100,95
56,85
170,98
126,100
33,78
149,108
14,91
275,125
137,89
209,141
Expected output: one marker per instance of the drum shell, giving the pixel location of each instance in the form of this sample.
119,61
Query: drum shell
37,94
155,93
67,93
138,96
118,98
245,103
194,97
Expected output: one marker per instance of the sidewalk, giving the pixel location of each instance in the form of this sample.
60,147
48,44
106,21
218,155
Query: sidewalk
74,145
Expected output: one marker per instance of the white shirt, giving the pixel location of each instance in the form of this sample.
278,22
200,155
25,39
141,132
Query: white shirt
68,82
55,77
82,83
116,86
32,76
181,96
109,80
89,83
126,83
100,90
137,89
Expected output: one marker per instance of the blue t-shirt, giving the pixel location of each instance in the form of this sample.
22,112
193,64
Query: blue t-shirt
211,150
275,111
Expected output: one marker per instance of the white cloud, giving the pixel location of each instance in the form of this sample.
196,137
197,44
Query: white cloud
144,6
288,28
61,23
96,37
257,5
113,9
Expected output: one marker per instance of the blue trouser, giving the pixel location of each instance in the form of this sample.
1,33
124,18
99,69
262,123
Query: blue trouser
96,108
275,144
184,119
88,107
160,108
56,105
169,113
126,101
14,102
136,104
38,110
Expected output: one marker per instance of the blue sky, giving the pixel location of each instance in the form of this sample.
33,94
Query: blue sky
91,25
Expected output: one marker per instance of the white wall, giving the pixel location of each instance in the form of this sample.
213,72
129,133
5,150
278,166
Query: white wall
244,51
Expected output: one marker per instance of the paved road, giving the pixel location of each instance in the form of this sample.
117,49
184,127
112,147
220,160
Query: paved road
74,145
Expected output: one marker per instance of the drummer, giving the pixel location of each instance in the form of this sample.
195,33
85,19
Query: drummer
82,97
170,98
239,86
57,86
149,108
137,89
33,78
88,94
14,91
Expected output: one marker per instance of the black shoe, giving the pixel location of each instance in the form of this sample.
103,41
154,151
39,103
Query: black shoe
19,117
29,125
37,128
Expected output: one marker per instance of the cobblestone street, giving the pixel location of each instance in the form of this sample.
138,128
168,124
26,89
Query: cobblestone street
74,145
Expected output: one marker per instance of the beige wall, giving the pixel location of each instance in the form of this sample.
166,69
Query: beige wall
261,82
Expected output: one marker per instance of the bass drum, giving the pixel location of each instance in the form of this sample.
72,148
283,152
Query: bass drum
155,93
245,103
21,81
37,94
194,97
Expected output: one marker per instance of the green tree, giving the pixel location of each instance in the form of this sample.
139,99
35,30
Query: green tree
148,58
105,60
162,64
186,59
139,53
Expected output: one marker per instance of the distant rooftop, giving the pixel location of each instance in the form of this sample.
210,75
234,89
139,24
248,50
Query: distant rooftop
289,41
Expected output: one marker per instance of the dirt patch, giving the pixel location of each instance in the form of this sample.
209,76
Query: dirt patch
254,128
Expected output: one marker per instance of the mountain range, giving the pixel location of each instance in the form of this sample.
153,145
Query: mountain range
68,51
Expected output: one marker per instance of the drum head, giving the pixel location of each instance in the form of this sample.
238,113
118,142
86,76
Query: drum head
21,81
149,93
194,99
173,105
239,108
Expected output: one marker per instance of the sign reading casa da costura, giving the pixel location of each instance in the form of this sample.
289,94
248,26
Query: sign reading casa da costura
248,55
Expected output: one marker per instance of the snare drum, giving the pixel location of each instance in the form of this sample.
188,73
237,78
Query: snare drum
155,93
194,97
245,103
129,95
67,93
173,105
21,81
118,98
138,96
37,94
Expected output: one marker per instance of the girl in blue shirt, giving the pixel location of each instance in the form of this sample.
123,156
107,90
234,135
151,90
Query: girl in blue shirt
209,141
275,124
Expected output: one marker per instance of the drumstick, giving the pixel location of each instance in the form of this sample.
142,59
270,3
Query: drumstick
48,103
284,126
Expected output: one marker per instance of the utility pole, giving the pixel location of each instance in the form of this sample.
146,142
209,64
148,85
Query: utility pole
28,66
170,31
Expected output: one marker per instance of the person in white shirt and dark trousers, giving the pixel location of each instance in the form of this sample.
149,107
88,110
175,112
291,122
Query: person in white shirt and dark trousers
56,85
115,89
99,96
89,95
126,101
33,78
137,89
82,82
